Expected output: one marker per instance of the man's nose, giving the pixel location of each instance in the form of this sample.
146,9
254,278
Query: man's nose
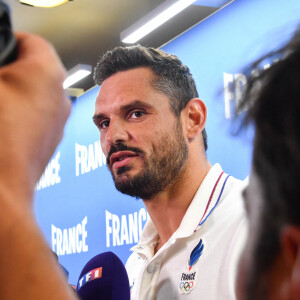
116,133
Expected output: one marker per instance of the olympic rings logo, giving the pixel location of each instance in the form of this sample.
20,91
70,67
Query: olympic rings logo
186,286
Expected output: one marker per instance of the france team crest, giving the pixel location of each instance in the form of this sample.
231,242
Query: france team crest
195,255
188,279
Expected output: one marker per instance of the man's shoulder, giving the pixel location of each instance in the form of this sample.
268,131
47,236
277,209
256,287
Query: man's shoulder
232,203
235,187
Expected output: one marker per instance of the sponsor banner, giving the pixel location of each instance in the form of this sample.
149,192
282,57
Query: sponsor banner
69,240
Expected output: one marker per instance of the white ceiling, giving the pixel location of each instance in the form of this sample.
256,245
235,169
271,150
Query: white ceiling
82,30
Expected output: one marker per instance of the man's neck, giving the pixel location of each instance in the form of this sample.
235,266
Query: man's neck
168,208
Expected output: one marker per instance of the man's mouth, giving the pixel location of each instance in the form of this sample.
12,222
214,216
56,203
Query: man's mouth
121,158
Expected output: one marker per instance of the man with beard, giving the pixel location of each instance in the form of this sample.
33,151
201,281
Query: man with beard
270,264
152,131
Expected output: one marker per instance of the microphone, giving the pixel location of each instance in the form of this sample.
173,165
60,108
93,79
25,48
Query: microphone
104,277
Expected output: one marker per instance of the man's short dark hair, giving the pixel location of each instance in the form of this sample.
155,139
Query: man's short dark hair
273,96
173,78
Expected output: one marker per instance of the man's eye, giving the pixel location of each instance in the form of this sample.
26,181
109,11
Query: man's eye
137,114
103,124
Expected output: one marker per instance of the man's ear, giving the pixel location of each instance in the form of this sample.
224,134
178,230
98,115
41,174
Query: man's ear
195,117
290,245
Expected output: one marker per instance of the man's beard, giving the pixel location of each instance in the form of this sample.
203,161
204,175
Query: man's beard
160,170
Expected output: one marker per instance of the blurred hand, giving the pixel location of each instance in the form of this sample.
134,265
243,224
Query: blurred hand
33,112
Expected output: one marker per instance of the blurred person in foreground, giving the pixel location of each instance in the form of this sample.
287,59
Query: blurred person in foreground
270,264
33,112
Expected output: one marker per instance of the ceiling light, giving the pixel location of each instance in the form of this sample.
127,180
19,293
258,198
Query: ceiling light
77,73
44,3
154,19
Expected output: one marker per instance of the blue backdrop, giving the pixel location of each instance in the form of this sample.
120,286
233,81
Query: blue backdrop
77,207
